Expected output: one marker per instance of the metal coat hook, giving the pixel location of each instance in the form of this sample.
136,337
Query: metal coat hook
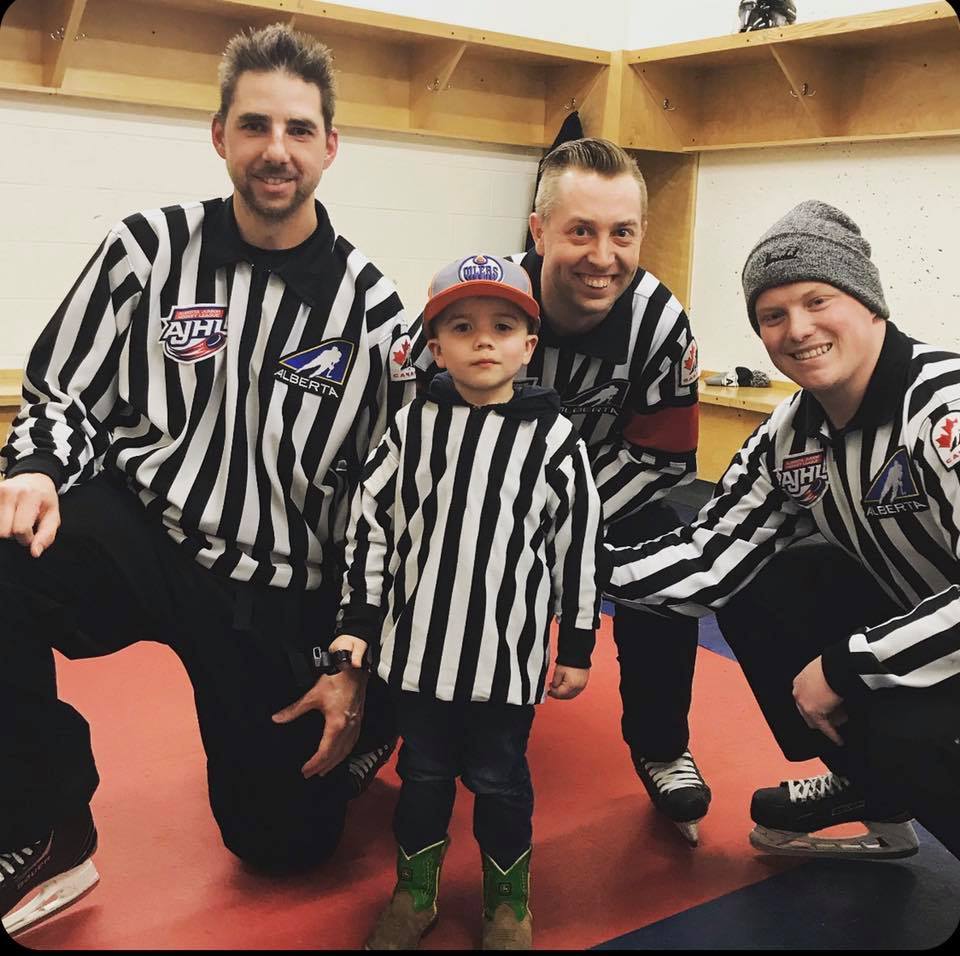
435,86
804,91
571,105
60,33
667,106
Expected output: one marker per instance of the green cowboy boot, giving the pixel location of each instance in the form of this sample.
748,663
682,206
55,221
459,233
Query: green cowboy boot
412,909
507,923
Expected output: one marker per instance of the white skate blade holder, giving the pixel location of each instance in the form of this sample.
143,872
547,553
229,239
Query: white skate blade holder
882,841
53,896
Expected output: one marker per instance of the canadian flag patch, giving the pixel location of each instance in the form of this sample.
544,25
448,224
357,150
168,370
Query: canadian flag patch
689,369
401,364
945,436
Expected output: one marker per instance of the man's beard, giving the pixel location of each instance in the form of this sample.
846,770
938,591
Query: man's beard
274,213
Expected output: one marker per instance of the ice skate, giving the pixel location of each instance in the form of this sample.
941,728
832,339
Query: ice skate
678,791
363,767
46,876
788,817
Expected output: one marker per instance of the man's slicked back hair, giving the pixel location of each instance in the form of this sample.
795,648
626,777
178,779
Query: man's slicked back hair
593,155
278,47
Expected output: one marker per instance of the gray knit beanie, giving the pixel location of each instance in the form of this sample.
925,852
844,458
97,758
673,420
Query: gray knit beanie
814,242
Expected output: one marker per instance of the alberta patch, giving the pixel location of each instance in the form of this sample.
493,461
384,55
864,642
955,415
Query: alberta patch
804,477
194,332
320,369
689,369
893,490
401,364
945,436
601,399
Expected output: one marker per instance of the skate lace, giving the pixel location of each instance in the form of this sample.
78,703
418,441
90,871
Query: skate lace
9,861
674,774
815,788
361,764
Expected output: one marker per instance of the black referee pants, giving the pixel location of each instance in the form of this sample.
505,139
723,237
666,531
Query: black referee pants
111,579
901,745
656,654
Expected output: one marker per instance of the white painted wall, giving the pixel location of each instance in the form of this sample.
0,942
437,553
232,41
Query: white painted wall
68,171
904,195
598,24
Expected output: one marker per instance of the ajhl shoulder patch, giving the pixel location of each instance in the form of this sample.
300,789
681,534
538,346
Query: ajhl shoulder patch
804,477
194,332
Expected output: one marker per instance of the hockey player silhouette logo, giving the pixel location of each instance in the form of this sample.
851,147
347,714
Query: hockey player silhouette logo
893,490
602,399
324,363
319,369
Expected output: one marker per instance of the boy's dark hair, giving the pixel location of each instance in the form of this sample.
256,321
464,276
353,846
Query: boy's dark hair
278,47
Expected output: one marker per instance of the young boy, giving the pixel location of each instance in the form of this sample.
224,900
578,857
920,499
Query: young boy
476,521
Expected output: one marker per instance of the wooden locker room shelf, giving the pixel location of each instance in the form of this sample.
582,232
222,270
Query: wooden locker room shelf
728,416
9,399
882,75
395,73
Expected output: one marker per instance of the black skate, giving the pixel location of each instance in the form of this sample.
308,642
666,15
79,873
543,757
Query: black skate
49,874
364,767
787,815
678,791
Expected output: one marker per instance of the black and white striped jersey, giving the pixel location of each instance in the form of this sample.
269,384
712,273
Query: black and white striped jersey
885,488
237,391
629,386
471,529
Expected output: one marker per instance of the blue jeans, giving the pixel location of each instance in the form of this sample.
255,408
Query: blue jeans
486,746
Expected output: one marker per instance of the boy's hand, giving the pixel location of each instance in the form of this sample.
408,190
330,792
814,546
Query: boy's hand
567,682
356,647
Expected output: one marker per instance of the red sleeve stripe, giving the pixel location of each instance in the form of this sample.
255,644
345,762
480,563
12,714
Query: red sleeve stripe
670,429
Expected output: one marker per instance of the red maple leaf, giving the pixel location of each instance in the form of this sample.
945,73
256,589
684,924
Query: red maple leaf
400,356
947,439
691,360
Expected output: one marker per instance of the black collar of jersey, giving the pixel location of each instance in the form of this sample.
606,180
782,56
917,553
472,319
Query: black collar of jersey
302,270
883,396
529,402
610,340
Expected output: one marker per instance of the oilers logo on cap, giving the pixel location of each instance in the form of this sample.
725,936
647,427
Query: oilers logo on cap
483,268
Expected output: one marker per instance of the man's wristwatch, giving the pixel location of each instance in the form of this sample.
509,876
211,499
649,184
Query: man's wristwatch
332,662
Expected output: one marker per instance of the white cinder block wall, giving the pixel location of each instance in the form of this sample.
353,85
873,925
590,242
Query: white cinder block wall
69,169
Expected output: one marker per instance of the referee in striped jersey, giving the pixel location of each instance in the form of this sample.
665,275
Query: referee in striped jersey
851,644
195,417
616,345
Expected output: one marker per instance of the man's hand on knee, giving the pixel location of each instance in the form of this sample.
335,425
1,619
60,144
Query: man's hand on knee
30,511
819,705
339,698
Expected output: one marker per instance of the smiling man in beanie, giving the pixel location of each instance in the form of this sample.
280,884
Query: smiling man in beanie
852,646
